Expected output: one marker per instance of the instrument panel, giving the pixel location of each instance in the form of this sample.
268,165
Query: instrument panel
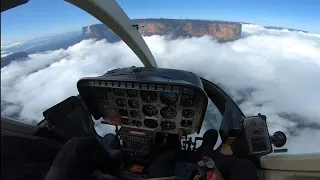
169,106
169,111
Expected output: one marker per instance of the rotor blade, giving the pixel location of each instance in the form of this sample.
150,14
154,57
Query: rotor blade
111,14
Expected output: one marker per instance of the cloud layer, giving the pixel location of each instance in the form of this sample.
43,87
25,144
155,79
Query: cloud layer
274,72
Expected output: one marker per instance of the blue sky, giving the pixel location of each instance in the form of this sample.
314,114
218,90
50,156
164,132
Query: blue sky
45,17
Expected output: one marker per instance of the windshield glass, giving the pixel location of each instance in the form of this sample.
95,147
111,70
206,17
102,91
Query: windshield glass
264,54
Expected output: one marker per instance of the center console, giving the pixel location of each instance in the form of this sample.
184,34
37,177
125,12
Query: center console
154,109
136,143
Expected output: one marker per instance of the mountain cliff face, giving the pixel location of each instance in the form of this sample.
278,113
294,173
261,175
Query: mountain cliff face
99,31
222,31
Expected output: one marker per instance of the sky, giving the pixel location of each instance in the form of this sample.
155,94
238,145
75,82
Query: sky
42,18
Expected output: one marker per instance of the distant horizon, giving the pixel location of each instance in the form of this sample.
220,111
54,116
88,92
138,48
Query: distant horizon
41,37
80,28
43,18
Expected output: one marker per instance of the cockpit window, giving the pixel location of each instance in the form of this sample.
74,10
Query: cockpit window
212,120
264,56
46,47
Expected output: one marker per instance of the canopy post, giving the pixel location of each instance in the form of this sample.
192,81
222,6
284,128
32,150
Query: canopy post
111,14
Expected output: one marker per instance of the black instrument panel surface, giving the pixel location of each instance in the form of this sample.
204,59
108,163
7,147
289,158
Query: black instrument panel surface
157,99
162,111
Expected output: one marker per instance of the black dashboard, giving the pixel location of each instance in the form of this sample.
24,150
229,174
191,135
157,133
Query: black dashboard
160,100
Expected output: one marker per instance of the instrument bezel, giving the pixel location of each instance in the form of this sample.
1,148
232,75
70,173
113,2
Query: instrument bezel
86,86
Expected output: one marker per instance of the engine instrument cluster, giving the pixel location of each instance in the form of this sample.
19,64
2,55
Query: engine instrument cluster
161,106
136,143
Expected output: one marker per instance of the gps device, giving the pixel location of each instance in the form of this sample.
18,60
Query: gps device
257,135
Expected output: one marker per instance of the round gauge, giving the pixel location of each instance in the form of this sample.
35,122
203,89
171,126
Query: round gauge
188,100
121,102
125,121
168,98
168,112
135,114
132,92
188,113
133,103
150,123
118,92
150,110
136,123
148,96
186,123
123,112
168,125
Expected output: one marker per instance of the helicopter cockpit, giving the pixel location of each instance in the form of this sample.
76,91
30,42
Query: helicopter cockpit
155,110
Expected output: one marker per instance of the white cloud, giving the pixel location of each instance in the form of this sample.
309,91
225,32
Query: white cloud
281,68
16,44
40,44
5,53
